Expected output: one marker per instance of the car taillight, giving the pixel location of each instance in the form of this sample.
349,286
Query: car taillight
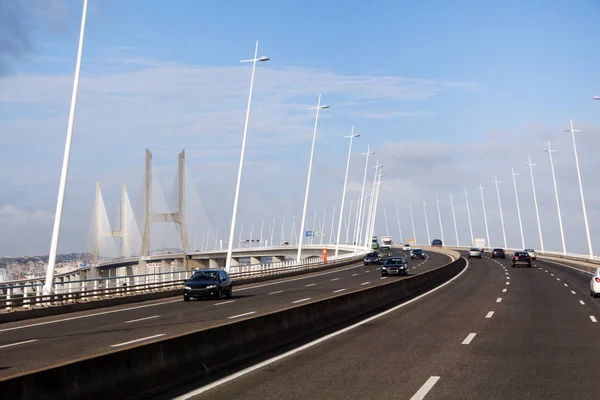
598,279
528,257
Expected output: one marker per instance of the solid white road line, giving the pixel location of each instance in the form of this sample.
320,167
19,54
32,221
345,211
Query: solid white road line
138,340
582,303
141,319
339,290
277,292
593,318
335,279
301,300
568,266
242,315
260,365
224,302
87,316
364,283
504,290
18,343
311,284
420,395
573,292
489,315
499,299
469,338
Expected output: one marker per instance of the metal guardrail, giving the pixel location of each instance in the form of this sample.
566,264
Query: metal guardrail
27,295
558,254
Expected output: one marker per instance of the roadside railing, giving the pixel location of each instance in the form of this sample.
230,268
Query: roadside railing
557,254
29,294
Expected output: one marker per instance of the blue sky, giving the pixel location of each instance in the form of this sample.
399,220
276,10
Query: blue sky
435,80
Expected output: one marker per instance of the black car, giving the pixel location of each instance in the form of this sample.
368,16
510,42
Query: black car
208,283
372,258
417,253
498,253
394,266
436,243
521,257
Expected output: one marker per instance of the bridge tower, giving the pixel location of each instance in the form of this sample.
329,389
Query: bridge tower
100,231
152,217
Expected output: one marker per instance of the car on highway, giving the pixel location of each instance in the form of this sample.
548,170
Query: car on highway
595,284
406,247
394,266
208,283
417,253
498,253
521,257
436,243
475,252
531,253
372,258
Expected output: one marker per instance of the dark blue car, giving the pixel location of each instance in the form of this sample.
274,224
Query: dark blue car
208,283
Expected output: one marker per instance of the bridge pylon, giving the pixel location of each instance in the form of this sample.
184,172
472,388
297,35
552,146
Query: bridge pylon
153,217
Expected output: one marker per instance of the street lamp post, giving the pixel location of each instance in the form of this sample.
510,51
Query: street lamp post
282,239
355,234
496,181
240,238
399,227
412,220
312,152
323,227
272,232
514,174
371,204
537,212
241,166
251,235
487,232
362,197
262,226
587,228
387,231
293,232
62,186
375,203
339,231
349,219
314,226
550,150
469,215
331,227
426,221
437,200
454,219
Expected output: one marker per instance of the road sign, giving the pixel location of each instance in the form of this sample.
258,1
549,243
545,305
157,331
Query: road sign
309,234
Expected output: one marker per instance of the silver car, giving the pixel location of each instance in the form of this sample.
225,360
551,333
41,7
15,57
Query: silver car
475,252
531,253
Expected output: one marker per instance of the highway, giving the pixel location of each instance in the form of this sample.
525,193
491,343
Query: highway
38,343
494,332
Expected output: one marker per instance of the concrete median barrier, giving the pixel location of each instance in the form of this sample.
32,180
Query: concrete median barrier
131,372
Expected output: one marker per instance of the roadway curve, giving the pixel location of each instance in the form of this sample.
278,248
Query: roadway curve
494,332
30,345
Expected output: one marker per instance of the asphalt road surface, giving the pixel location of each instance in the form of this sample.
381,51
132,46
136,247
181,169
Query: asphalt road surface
28,345
494,332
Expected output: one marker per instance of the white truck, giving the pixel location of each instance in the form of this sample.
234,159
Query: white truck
386,244
479,243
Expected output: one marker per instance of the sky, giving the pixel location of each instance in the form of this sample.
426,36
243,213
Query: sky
448,94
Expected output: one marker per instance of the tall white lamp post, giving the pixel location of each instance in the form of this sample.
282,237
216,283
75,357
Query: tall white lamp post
469,215
550,150
62,186
496,182
241,166
412,220
437,200
319,107
426,222
454,219
587,227
514,174
339,230
487,232
399,227
358,235
537,212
